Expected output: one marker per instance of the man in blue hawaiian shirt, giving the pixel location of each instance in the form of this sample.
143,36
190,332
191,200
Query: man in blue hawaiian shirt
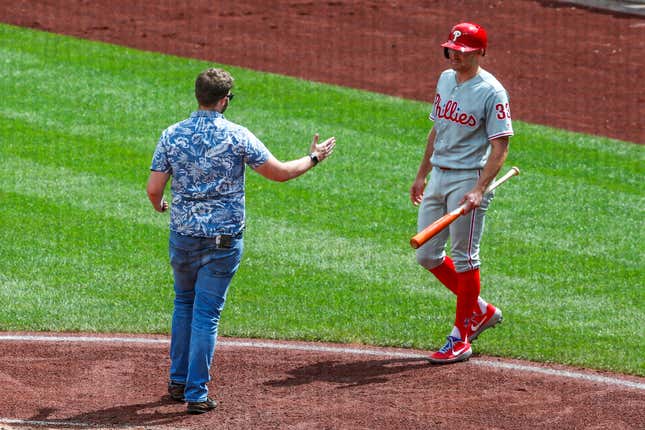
206,155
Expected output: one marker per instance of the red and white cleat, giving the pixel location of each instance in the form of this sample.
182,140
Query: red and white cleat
453,351
479,323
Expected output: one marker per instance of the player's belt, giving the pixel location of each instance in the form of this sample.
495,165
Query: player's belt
451,169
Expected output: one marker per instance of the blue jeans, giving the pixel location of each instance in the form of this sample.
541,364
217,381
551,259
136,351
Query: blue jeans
202,274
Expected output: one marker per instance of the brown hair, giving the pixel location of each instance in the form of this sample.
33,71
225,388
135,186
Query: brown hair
211,85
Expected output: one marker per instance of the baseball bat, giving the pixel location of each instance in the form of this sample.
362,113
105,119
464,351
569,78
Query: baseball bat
430,231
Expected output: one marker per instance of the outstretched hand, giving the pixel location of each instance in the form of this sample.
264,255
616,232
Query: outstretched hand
322,150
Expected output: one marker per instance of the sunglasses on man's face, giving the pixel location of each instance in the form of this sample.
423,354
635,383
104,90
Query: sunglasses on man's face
230,96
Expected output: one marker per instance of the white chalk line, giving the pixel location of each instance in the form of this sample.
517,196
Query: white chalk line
43,423
50,424
334,349
37,423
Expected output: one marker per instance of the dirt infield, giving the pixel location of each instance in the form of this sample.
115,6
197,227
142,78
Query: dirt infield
563,65
292,385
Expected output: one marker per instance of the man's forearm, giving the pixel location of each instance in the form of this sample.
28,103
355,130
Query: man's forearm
496,159
425,166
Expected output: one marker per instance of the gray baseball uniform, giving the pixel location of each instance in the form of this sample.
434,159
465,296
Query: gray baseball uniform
467,116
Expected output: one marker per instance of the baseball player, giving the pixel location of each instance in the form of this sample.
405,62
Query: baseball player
466,148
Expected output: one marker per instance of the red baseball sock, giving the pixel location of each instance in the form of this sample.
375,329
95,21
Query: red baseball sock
446,274
469,288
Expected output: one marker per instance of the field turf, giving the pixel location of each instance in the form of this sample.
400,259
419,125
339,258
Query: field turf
326,255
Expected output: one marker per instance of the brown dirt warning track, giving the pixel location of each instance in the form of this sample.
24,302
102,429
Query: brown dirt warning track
564,66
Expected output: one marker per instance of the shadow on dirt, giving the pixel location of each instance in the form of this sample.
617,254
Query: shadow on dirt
125,415
349,374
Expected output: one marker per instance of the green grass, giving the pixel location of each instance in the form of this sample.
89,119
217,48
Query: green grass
327,255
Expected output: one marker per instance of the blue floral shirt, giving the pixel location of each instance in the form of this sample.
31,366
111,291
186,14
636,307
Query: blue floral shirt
206,155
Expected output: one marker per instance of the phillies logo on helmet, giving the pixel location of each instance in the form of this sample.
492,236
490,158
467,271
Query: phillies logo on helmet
466,37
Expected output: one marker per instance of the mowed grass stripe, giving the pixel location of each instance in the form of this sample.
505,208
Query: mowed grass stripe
327,255
84,193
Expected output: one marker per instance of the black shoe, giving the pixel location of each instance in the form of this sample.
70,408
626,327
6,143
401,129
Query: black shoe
176,391
201,407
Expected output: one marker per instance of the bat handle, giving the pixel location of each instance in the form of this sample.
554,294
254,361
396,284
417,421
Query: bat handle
514,171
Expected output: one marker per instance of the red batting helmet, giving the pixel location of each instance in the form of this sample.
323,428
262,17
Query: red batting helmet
466,37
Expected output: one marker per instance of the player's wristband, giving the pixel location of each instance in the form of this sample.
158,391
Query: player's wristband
314,158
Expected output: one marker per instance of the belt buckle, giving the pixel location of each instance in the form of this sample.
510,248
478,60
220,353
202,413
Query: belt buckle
223,241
